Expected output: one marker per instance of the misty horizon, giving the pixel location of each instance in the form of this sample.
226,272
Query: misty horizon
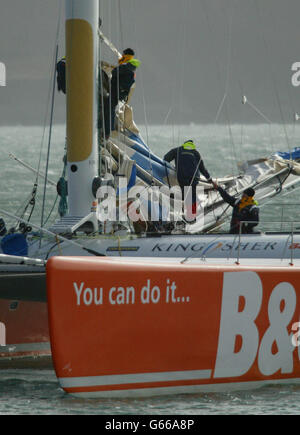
198,52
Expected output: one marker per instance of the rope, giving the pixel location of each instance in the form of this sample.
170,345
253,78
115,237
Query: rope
223,102
32,200
186,7
272,75
57,236
120,24
50,135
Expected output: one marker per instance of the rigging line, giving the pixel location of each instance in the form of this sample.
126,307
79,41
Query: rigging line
173,96
245,101
24,206
55,201
229,55
30,168
50,134
210,29
176,79
103,138
51,211
182,69
272,74
49,92
227,82
242,124
220,108
258,111
143,98
121,108
165,121
229,49
229,58
120,24
57,236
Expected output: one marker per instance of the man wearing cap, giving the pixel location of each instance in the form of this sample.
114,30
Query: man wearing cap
189,166
245,211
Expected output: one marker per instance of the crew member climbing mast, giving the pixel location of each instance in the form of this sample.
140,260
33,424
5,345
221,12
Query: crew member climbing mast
123,77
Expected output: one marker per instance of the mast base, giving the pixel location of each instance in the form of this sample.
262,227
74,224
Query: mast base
71,224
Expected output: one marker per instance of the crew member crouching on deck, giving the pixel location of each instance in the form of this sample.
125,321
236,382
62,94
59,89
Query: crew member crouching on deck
245,211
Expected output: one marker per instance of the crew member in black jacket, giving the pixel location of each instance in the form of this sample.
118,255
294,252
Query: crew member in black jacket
245,211
189,166
61,75
122,79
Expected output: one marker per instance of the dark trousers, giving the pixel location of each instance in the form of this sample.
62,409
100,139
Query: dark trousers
110,105
189,196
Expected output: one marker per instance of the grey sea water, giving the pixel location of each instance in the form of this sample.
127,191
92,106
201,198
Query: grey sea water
38,392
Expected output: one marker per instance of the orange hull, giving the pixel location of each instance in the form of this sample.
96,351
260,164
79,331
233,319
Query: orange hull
120,328
24,335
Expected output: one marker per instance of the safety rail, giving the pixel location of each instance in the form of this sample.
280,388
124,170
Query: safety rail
290,236
282,208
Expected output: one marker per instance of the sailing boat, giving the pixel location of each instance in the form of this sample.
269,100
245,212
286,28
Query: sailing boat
79,232
94,163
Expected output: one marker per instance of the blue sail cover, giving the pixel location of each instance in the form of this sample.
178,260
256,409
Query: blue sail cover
292,155
149,162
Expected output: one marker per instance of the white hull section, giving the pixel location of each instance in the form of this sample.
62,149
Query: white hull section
272,246
163,391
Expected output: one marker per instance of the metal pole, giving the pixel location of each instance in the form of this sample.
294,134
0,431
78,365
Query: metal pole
239,243
292,244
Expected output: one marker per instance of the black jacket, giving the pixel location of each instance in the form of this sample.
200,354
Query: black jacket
189,165
249,214
122,79
61,75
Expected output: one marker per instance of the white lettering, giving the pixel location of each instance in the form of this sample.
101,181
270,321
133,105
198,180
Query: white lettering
281,309
155,294
145,293
238,287
148,294
98,296
138,208
122,425
172,288
130,293
2,334
78,291
141,204
295,337
121,296
111,291
296,76
89,296
2,74
107,207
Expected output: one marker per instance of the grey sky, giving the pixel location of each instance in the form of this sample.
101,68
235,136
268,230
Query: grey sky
192,52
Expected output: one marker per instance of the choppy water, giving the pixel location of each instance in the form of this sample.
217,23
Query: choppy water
38,392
